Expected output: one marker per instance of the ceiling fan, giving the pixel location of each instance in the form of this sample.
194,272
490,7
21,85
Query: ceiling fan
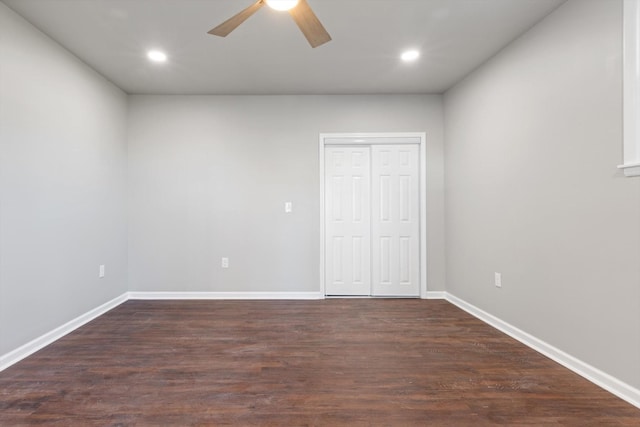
299,10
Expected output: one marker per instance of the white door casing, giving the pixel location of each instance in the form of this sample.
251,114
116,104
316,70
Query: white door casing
410,253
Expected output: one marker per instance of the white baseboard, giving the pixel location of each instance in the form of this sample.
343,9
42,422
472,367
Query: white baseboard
226,295
596,376
435,295
42,341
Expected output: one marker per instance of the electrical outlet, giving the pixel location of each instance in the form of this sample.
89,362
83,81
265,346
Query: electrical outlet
225,262
288,207
101,271
498,280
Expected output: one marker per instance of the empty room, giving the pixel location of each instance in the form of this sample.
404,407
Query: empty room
319,212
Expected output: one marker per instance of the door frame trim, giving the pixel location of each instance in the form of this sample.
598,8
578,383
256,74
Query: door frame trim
372,138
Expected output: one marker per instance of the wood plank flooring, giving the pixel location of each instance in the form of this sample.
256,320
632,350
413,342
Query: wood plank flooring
288,363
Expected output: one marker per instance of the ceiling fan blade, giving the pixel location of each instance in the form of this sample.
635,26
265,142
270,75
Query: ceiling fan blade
309,24
232,23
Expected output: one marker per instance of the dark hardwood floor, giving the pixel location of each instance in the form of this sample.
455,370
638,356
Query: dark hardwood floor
286,363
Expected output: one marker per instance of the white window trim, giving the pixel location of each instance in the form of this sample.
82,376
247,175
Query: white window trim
631,28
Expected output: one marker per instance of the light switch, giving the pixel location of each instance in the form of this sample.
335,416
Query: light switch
288,207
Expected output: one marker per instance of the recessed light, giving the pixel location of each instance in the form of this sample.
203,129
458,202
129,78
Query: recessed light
157,56
410,55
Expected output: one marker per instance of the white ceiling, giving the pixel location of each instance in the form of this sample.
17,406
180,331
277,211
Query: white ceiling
268,54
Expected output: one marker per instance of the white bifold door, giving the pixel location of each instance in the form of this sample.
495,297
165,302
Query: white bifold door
372,220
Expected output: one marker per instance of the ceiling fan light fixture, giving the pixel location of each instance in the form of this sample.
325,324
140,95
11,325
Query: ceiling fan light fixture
282,4
300,12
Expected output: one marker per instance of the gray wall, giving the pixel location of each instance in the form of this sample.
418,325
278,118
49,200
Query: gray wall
62,185
209,175
532,190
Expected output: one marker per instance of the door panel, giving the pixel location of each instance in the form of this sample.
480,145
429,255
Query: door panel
347,220
395,226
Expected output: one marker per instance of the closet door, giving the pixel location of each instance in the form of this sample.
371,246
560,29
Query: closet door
395,223
347,220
